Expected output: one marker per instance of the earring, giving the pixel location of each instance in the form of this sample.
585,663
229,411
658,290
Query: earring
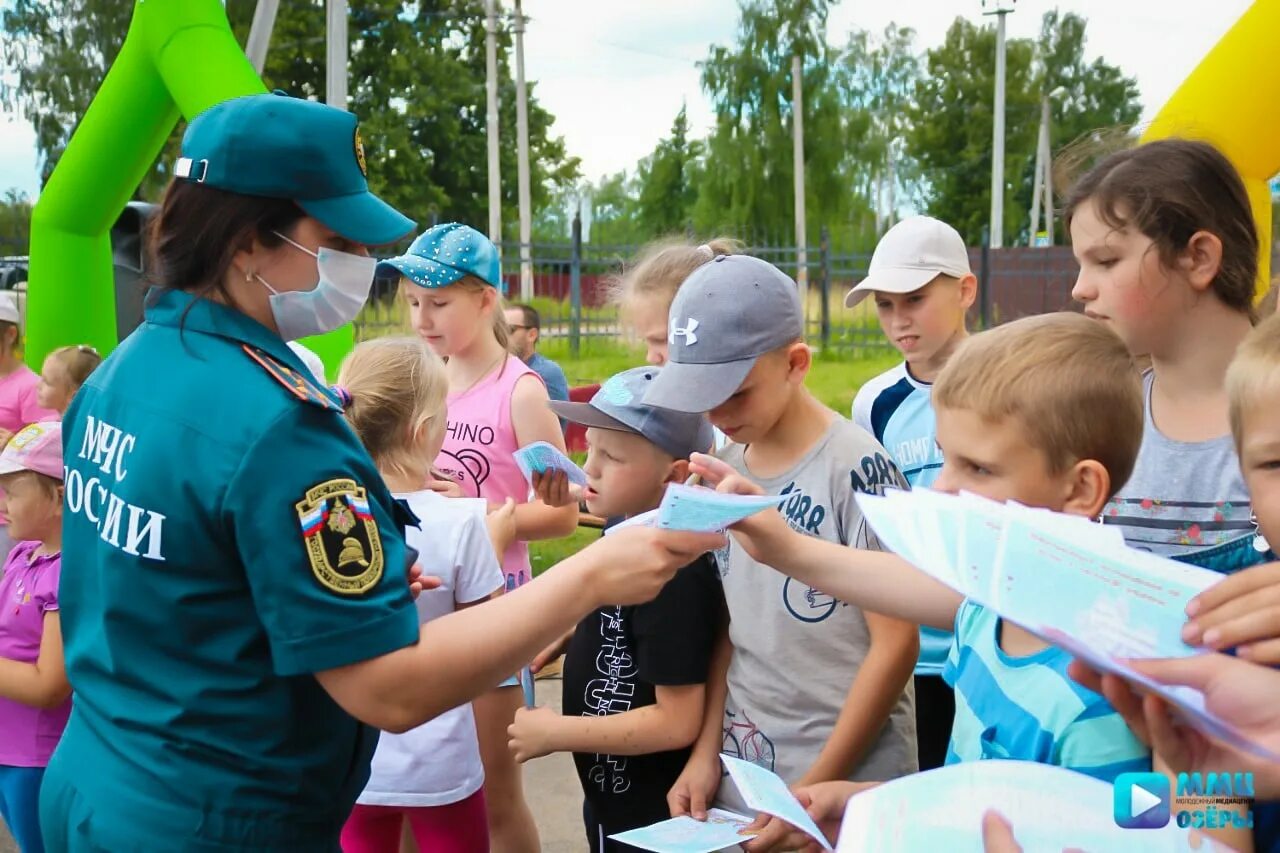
1260,543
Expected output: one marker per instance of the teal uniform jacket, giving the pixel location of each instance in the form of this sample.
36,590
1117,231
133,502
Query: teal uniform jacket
225,536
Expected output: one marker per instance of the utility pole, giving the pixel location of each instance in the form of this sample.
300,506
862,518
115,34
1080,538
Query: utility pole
997,130
797,156
1042,187
335,88
491,120
522,164
264,21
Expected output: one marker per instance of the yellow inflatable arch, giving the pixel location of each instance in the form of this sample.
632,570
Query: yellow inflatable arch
1232,99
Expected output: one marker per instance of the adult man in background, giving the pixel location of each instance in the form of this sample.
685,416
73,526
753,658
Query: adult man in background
525,328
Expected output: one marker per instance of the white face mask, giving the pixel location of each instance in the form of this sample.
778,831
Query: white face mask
337,298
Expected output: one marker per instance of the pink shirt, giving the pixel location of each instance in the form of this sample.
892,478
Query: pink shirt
479,444
28,590
18,408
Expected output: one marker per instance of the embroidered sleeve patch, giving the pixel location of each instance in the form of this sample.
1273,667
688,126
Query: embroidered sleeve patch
341,537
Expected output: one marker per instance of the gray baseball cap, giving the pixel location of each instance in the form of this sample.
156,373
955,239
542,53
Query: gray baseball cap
619,405
726,314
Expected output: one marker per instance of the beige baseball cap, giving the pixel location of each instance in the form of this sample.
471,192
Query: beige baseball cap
910,255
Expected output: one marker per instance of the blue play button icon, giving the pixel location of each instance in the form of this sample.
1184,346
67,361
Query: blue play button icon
1141,800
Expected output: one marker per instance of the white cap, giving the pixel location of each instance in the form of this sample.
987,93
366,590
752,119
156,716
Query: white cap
9,307
910,255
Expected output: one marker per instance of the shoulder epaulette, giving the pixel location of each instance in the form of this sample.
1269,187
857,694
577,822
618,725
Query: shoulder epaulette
299,385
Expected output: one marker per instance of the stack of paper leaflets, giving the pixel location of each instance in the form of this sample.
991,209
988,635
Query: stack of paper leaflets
1064,578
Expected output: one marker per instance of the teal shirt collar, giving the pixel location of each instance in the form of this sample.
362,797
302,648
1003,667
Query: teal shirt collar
166,307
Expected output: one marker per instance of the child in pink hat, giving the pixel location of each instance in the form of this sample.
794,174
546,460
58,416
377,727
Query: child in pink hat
35,698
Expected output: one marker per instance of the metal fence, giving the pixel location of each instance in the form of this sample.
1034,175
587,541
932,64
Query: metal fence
572,281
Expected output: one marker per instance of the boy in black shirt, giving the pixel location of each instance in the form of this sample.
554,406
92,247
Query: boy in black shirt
634,677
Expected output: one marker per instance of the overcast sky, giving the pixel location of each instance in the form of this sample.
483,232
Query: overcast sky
614,73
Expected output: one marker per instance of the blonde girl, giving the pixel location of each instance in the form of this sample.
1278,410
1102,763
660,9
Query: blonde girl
63,372
429,778
450,279
645,290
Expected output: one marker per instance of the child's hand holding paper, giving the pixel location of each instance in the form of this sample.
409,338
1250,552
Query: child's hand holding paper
553,488
541,457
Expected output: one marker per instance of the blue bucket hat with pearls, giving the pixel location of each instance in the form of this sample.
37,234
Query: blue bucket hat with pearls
444,254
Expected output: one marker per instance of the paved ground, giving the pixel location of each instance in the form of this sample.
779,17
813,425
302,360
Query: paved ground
549,783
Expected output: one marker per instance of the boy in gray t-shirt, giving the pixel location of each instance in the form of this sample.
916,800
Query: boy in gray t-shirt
813,688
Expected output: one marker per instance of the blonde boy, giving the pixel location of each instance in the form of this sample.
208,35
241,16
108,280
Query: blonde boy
806,685
1046,411
922,287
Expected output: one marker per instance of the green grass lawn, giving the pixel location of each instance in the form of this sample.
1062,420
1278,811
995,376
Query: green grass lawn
832,380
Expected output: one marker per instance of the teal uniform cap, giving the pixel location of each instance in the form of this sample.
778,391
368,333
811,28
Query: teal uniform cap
443,255
277,146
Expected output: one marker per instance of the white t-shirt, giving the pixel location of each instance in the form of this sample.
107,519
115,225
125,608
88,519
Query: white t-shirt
438,763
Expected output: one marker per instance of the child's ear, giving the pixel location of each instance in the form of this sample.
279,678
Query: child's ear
968,291
799,360
1202,259
678,472
1088,488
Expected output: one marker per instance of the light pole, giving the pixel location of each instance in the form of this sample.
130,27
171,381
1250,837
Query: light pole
522,163
335,90
491,119
999,8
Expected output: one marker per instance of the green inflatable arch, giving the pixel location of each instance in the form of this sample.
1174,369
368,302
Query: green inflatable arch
179,58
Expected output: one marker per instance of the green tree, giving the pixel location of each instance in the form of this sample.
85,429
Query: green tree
747,177
668,181
878,76
949,133
1084,97
615,211
950,123
15,223
416,76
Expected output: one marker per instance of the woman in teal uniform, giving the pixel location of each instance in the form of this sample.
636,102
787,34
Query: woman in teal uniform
235,608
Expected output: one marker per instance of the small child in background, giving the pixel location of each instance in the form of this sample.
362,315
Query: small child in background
805,685
634,677
643,293
431,777
18,406
35,698
64,371
922,287
451,280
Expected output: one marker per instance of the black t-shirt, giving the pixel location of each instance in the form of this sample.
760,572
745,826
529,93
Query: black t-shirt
616,658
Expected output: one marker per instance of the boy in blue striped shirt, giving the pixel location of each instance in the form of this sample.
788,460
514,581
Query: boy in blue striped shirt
922,287
1045,411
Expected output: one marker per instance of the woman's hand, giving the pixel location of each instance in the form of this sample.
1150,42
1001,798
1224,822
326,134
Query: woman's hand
633,565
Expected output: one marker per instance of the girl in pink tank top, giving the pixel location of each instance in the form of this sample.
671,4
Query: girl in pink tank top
451,280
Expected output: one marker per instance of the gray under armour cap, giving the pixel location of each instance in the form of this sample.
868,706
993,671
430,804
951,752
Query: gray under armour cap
728,313
619,405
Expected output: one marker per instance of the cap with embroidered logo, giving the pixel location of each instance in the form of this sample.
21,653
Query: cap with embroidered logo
35,447
910,255
277,146
620,405
726,314
446,253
